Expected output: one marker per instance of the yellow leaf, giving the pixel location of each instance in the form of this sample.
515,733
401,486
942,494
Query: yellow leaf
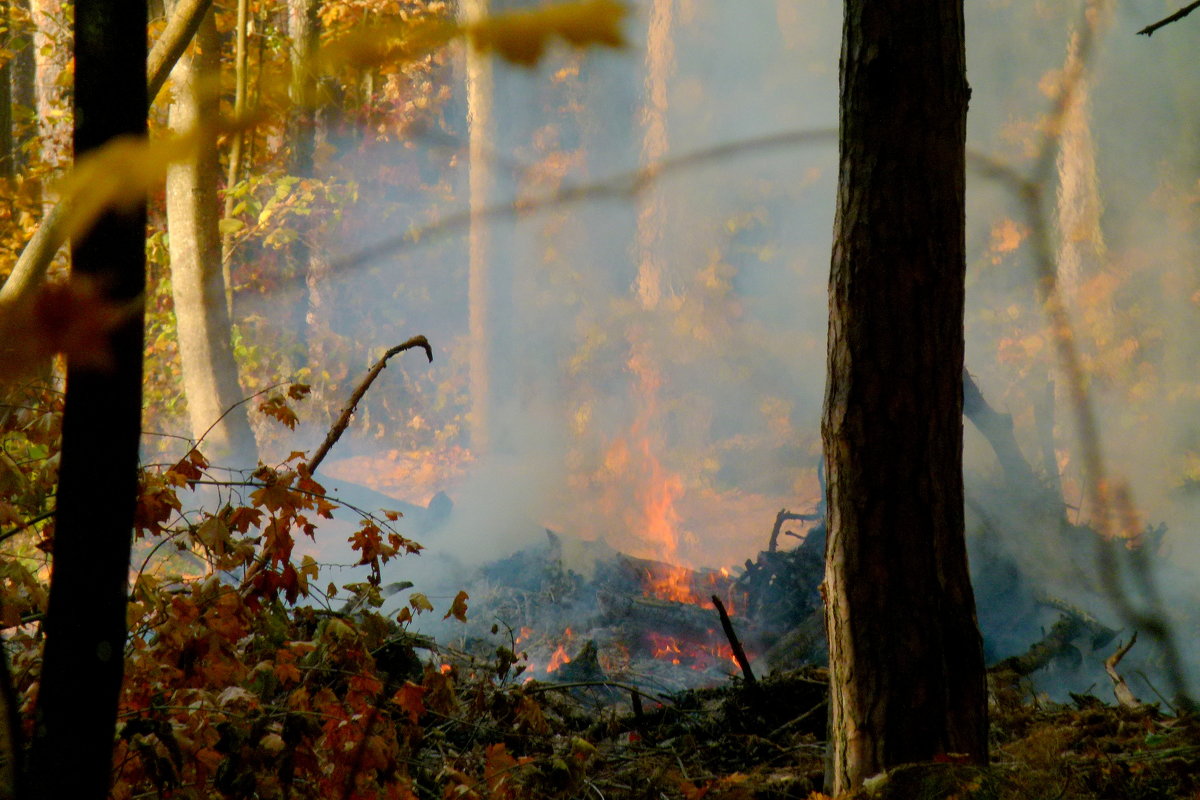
522,36
420,602
229,225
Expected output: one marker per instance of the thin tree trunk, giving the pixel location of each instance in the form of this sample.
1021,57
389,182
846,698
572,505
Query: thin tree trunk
51,47
479,289
235,149
302,138
83,660
210,376
8,156
906,662
24,93
660,63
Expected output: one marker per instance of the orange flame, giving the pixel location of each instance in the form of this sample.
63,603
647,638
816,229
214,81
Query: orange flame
656,521
559,658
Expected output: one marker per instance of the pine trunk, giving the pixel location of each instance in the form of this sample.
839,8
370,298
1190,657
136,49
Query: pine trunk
907,676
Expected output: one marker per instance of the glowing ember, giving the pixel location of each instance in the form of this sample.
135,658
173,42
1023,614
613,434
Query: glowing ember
696,655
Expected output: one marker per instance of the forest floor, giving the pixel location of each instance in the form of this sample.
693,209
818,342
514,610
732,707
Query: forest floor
767,743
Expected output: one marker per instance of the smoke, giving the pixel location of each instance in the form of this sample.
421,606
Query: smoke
732,337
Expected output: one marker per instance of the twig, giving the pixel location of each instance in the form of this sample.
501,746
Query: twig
8,534
1178,15
738,653
1125,695
339,427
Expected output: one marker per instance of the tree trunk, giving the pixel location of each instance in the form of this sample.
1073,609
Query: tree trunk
83,660
24,93
906,661
480,191
8,156
210,375
303,27
241,54
51,46
651,218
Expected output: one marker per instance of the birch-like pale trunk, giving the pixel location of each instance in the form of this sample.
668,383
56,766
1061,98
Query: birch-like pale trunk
210,376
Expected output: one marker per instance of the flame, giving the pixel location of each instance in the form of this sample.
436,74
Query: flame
559,658
656,521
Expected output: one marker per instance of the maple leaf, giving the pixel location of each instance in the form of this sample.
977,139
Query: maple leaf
410,698
298,391
242,519
419,602
278,409
458,608
275,495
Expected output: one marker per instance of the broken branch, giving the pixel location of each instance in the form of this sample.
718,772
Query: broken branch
343,421
1178,15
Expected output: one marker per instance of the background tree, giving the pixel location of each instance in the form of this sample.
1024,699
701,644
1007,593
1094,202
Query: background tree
480,134
210,375
85,623
907,677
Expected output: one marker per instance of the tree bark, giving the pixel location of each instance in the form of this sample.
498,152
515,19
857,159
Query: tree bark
24,91
906,660
210,374
305,264
8,156
83,660
240,56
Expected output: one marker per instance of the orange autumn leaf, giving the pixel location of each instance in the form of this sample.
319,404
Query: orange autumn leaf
410,699
458,608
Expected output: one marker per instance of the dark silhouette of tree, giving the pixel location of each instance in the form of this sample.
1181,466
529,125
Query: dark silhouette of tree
907,673
75,718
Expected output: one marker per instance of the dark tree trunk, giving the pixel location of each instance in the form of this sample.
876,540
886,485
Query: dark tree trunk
8,155
904,649
83,661
24,92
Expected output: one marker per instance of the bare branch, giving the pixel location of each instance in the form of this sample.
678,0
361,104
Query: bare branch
1178,15
339,427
